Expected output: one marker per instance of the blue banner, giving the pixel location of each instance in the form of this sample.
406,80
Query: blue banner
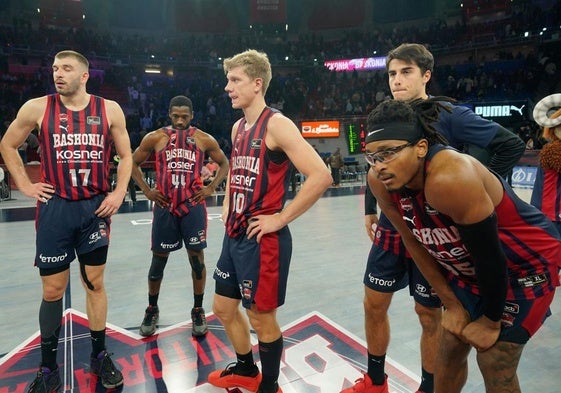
524,176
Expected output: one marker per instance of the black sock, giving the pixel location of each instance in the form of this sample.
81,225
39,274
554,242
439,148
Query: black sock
50,318
98,341
266,387
199,300
427,382
376,368
245,364
153,300
270,354
49,350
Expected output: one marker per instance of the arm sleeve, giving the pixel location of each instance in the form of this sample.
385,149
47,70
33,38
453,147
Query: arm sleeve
506,149
370,203
489,260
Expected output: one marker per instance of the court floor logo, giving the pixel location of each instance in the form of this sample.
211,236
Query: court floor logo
319,356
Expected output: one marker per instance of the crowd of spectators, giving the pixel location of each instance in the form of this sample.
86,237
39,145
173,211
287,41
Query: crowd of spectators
302,88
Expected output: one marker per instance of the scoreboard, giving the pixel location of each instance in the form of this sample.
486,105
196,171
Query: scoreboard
355,135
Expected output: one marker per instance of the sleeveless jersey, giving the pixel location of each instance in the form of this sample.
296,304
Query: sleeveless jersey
546,194
75,149
388,238
178,169
529,240
460,126
259,177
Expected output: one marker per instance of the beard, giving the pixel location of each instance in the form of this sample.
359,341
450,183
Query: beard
68,89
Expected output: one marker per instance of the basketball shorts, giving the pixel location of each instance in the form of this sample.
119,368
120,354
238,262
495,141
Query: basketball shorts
169,231
521,319
66,228
389,272
259,270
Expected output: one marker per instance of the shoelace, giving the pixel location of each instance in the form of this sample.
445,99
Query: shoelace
107,365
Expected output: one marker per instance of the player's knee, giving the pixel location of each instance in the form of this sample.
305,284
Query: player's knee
156,272
264,324
226,305
429,317
376,304
53,293
93,278
197,265
53,286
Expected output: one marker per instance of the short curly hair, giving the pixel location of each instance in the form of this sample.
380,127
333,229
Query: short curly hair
181,101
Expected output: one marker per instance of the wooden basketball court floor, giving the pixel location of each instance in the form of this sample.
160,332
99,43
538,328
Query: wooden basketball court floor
330,250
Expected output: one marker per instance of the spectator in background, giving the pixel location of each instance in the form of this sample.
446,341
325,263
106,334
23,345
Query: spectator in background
212,166
22,150
336,163
33,148
208,172
134,136
146,122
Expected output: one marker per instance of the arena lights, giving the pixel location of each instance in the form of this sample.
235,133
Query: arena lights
152,69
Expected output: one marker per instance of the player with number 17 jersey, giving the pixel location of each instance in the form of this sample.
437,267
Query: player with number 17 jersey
75,148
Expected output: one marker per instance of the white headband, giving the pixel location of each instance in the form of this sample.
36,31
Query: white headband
546,106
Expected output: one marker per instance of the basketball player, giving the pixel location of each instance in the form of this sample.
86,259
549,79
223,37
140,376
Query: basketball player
491,257
179,203
74,206
253,267
389,268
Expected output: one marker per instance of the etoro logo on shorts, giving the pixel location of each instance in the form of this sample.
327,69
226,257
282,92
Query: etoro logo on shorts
221,274
55,259
169,245
380,281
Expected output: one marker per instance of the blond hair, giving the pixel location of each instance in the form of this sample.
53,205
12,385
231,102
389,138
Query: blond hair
255,64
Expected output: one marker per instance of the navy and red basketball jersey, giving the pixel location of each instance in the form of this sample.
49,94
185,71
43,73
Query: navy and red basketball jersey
75,148
460,126
529,240
178,169
546,194
259,177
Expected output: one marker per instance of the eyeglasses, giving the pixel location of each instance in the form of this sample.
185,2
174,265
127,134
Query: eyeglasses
385,155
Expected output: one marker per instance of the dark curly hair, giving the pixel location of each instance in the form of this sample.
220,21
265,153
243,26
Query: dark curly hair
424,112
